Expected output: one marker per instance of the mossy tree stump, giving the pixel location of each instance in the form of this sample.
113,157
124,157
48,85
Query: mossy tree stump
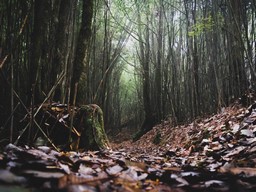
89,121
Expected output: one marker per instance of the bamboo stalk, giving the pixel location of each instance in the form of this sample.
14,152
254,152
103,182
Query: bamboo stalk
48,139
35,113
11,114
50,92
22,132
73,112
31,114
12,94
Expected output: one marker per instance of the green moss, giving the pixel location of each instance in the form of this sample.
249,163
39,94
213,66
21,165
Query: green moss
92,130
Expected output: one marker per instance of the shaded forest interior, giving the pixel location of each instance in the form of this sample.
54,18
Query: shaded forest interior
141,61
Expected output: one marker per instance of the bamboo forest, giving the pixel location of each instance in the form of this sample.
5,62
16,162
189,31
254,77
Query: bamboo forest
127,95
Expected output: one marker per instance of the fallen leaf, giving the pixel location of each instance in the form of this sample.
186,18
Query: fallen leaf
114,170
247,133
9,178
246,171
180,180
235,151
43,174
213,183
85,170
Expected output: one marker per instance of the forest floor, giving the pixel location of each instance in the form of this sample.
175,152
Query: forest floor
216,153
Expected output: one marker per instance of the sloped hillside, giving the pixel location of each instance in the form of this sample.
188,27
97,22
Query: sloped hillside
231,120
224,139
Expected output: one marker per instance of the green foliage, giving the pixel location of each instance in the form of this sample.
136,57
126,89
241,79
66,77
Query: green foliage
205,25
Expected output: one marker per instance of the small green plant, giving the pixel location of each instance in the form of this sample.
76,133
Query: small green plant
137,135
157,138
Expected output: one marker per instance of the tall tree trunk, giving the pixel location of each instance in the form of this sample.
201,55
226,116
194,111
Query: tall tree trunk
237,52
63,47
83,44
195,78
158,75
35,88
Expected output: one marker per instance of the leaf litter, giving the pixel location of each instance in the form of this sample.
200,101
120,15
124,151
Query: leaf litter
217,153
